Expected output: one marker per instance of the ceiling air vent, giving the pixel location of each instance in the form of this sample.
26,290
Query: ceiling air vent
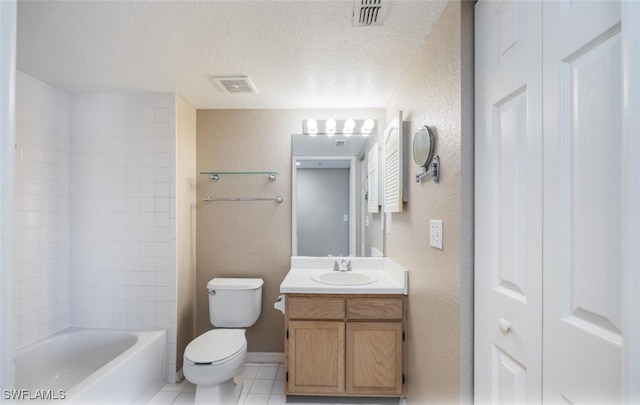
235,84
369,12
341,143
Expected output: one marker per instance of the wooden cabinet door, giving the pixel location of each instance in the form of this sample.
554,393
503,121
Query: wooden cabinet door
315,357
374,358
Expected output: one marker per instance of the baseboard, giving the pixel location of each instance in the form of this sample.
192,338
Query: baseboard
265,357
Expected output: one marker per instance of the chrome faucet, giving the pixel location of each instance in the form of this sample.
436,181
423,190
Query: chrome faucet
344,265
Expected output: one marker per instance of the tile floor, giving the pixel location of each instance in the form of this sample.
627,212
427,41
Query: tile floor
263,384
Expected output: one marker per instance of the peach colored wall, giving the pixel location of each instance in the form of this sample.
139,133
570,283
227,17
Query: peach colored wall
437,91
185,223
249,239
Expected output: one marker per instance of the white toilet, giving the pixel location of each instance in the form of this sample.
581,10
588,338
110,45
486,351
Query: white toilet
212,359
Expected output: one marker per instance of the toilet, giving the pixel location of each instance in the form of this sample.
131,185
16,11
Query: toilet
213,359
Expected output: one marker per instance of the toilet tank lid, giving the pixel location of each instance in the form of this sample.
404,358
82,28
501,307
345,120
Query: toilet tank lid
234,283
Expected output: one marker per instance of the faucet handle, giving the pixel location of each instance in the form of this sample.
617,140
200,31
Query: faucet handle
349,268
336,266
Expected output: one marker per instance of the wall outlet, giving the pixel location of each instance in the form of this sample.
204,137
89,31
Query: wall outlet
435,233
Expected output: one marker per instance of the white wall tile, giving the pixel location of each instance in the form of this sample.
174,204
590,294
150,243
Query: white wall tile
42,221
119,207
95,233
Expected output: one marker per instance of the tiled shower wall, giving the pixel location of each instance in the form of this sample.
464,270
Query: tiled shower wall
41,272
95,212
123,219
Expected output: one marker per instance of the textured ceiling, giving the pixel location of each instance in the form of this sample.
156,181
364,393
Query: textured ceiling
299,54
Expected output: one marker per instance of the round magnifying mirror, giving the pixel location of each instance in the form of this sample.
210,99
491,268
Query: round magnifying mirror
423,146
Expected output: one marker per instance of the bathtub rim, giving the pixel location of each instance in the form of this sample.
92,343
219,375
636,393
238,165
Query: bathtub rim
144,338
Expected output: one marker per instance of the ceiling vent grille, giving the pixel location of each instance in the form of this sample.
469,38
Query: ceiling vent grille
341,143
369,12
235,84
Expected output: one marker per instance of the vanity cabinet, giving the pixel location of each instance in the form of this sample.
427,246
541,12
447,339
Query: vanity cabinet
350,345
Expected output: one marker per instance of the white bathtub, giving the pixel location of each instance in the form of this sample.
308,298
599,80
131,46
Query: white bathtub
94,366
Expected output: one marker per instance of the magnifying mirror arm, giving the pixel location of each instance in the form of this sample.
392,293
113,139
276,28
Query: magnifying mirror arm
433,171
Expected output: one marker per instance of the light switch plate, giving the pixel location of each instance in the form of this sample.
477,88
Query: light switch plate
435,233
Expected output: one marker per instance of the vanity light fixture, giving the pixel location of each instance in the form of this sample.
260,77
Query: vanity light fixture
330,127
346,127
312,126
367,126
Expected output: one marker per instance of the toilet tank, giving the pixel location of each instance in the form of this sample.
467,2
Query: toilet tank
234,302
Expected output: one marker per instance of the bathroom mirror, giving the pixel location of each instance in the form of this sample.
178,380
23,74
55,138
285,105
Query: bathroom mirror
423,146
329,198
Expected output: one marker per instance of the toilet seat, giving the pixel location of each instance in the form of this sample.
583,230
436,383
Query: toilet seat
216,346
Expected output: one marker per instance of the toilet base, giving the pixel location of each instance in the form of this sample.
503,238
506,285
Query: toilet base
227,392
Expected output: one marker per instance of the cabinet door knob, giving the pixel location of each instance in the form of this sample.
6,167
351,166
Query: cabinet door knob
505,325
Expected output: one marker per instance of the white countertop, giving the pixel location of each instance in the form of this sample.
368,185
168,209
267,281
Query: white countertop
390,278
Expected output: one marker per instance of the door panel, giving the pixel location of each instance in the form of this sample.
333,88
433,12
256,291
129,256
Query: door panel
583,204
374,357
508,211
631,216
316,357
592,269
510,380
510,217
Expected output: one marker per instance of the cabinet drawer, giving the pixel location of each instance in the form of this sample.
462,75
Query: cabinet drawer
375,308
315,308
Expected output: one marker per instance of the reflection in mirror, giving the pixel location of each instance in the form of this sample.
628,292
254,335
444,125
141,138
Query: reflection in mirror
325,208
329,213
423,146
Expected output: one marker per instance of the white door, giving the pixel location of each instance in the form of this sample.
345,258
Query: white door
508,202
631,223
584,192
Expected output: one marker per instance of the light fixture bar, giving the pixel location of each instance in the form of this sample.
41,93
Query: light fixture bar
346,127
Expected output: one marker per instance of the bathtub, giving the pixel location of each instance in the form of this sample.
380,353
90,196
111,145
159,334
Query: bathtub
93,366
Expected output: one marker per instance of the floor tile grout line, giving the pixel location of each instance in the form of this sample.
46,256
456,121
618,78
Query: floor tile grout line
258,366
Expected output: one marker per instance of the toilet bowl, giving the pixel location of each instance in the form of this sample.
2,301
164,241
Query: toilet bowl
212,360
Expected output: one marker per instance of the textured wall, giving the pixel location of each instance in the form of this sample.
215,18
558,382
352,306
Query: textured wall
249,239
185,224
440,297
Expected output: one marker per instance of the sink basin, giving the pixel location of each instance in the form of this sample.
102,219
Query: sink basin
344,278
